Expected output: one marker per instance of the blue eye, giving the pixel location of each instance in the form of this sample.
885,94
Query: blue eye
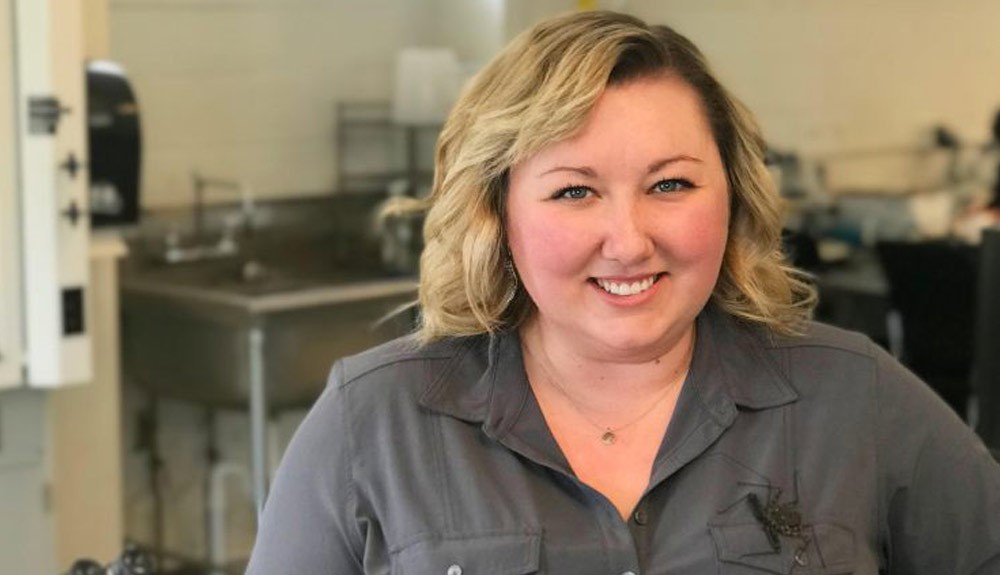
672,185
572,193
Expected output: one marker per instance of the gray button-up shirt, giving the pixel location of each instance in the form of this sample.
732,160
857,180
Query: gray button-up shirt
816,454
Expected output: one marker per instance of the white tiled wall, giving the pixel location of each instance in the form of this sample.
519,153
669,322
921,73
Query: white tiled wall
247,89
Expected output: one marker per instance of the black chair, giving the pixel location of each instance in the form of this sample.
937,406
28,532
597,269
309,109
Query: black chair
986,378
932,285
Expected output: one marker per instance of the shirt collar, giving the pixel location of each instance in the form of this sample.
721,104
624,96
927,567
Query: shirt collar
484,382
733,359
485,379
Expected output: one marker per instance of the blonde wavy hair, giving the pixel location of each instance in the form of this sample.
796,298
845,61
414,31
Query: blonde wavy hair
540,90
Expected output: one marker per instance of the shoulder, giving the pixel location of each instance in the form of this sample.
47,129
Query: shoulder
834,340
404,353
821,352
846,372
842,367
813,339
405,368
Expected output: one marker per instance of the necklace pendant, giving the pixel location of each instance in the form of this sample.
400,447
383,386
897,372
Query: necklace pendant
608,438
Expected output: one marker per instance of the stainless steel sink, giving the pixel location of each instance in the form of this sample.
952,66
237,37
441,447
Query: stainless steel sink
260,330
187,328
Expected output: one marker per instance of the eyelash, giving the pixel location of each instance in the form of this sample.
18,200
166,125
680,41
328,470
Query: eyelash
563,193
684,184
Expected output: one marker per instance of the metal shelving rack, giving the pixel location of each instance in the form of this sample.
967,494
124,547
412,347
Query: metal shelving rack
373,150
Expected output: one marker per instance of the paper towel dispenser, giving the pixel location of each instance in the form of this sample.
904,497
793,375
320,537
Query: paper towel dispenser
115,144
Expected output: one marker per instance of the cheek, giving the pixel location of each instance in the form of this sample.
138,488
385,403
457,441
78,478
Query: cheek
701,238
542,248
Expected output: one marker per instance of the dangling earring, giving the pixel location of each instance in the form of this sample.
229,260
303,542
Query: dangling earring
510,280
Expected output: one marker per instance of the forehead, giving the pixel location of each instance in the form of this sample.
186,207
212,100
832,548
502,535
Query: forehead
649,116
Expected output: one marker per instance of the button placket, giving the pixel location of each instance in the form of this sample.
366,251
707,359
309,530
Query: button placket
639,516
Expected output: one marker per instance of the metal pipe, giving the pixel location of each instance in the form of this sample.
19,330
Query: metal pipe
258,418
155,476
211,461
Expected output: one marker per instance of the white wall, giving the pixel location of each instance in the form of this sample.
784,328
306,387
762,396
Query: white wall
247,88
831,76
835,74
473,28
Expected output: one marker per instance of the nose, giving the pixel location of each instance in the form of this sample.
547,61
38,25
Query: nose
627,233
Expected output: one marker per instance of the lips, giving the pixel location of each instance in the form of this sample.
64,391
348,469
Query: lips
627,287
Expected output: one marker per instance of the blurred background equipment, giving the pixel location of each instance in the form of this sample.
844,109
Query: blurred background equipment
134,560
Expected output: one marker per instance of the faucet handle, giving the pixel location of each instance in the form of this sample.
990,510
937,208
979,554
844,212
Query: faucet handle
173,238
231,223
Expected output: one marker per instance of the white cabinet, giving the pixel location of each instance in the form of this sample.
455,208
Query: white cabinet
10,289
26,524
44,230
60,449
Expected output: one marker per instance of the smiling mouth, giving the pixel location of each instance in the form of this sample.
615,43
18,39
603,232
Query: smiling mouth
626,288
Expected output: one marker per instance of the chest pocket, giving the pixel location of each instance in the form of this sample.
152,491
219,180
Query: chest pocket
744,548
510,554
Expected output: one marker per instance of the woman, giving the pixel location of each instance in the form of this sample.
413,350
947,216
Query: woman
615,371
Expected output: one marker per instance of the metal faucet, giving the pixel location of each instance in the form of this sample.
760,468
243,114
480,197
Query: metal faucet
201,183
200,248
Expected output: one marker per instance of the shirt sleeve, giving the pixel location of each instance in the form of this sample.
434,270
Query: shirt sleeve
941,485
309,526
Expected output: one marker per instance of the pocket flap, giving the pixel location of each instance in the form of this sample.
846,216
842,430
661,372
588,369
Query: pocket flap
747,544
830,549
506,554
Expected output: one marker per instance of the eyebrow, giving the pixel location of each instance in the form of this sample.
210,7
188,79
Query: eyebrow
657,165
671,160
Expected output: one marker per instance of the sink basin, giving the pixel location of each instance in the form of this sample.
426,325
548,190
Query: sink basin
186,328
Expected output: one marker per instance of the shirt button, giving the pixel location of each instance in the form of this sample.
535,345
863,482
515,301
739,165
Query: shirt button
628,573
455,570
639,517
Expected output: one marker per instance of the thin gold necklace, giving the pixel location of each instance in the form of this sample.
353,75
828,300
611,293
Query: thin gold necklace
609,434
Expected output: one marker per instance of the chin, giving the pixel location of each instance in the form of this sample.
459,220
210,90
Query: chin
643,335
632,342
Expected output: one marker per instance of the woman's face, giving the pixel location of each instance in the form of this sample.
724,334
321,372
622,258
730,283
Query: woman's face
618,233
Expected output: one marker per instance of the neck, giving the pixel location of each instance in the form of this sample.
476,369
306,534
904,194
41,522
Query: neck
600,386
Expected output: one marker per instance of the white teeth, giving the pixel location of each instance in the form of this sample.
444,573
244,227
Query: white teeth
626,288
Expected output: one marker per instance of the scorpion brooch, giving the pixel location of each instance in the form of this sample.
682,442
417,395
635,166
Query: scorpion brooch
780,518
